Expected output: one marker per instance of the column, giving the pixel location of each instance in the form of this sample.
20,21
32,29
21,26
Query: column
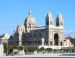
20,39
43,42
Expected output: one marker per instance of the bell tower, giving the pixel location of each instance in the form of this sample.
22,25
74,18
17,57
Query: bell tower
59,24
49,27
49,20
59,20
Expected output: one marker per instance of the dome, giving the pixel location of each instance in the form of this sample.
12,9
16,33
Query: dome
50,15
59,19
6,36
30,19
49,19
59,16
20,28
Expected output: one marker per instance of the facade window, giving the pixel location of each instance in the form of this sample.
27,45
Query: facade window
61,43
28,26
61,23
47,23
51,22
21,29
50,42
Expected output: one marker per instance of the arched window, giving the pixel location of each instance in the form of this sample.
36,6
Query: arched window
61,43
56,39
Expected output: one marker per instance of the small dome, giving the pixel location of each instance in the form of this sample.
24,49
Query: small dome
20,25
59,16
20,28
6,36
59,19
49,18
49,15
30,19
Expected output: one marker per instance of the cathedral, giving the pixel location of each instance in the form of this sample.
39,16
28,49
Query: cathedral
28,34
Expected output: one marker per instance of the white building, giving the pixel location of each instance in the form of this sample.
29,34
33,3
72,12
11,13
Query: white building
31,35
1,50
4,38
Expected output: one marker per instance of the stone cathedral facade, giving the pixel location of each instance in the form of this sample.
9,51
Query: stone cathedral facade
28,34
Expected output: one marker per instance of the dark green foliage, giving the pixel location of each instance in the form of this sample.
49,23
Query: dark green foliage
30,49
20,48
41,49
10,50
49,49
5,47
55,50
15,47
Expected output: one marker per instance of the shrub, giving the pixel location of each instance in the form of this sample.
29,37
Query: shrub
30,49
41,49
49,49
20,48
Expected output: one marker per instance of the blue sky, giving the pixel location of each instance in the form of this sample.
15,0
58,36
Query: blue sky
14,12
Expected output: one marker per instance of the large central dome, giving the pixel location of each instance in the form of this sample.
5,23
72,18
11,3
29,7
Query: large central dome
29,19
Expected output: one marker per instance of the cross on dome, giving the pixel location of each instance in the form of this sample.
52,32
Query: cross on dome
30,12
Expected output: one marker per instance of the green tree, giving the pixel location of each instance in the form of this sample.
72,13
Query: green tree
5,47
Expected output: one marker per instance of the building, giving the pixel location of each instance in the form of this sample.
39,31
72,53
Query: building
1,50
29,34
69,41
4,38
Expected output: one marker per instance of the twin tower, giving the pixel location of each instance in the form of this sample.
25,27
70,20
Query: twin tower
49,20
55,32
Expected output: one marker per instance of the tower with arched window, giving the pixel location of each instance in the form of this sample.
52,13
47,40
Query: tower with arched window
55,32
